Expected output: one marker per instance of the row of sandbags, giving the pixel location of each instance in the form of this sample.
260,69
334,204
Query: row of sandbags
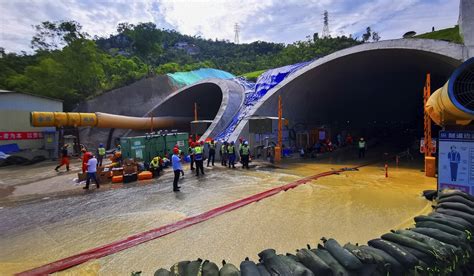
439,244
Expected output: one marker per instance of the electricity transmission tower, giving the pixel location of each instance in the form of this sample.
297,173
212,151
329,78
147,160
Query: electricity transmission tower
237,30
326,24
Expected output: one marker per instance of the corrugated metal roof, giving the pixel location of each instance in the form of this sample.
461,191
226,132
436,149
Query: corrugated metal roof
33,95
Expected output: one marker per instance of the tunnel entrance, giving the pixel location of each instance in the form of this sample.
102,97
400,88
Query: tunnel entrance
207,96
375,94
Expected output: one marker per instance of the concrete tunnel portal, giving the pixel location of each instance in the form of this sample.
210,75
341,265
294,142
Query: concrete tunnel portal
365,93
208,97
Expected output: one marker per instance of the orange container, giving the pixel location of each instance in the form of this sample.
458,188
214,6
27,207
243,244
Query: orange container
145,175
117,179
430,166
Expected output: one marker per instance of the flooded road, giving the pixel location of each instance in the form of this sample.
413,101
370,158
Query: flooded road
353,206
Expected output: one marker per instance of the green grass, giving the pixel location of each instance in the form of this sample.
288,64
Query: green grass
450,34
252,76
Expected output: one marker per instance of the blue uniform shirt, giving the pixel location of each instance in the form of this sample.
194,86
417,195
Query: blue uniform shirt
176,162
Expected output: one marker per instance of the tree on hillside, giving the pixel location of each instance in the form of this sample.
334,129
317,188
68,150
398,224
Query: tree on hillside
54,35
375,36
366,36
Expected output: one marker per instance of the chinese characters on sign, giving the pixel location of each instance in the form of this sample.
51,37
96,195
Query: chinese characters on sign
456,160
20,135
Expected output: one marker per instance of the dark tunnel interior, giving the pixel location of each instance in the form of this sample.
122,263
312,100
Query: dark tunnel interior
371,93
207,96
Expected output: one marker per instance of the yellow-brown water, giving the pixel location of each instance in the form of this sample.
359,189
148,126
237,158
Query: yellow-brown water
353,206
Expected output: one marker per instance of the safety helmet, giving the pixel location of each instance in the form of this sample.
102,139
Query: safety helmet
232,142
101,145
362,138
192,144
246,143
175,150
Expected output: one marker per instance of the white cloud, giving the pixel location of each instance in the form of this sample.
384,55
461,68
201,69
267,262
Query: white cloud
268,20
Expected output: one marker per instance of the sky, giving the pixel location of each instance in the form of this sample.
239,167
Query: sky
282,21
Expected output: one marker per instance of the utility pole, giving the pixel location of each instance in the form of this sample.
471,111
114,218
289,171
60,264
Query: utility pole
430,162
237,30
326,24
195,112
280,129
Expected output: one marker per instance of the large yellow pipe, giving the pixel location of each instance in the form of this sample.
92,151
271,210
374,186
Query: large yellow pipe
103,120
451,105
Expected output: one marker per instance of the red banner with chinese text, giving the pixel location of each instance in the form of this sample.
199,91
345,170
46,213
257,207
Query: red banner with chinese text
20,135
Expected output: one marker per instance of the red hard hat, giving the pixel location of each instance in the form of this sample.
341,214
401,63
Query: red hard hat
192,144
176,150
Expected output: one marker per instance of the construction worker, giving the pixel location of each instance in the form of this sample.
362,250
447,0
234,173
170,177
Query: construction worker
362,146
91,172
224,154
199,158
212,152
191,154
176,162
245,154
100,154
85,158
64,158
231,153
156,166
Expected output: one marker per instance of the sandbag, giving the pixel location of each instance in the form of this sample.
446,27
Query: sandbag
296,268
405,258
363,256
458,199
209,269
458,206
336,267
248,268
343,256
455,213
428,260
392,266
442,227
444,251
291,256
312,262
228,270
461,221
162,272
446,222
267,253
262,270
430,194
441,236
448,192
408,242
193,268
276,266
178,268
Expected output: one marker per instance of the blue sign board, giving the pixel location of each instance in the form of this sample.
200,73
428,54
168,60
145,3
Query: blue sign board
456,161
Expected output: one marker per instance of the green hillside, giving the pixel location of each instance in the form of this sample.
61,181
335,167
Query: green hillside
450,34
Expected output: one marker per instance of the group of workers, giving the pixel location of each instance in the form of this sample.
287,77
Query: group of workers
90,162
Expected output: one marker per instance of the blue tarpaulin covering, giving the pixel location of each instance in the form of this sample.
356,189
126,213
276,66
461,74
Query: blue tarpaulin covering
255,91
188,78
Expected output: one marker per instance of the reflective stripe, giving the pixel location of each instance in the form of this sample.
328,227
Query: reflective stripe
361,144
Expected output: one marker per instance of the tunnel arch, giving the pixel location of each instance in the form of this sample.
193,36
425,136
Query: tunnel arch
339,87
217,99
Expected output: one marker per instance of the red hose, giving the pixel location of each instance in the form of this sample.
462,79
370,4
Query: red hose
139,238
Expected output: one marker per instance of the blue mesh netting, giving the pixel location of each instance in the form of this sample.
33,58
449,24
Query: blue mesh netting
188,78
255,91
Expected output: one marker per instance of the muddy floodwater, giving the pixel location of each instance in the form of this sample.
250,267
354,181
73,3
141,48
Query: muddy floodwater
353,206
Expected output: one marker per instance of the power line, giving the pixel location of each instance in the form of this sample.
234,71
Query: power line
237,30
